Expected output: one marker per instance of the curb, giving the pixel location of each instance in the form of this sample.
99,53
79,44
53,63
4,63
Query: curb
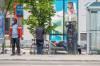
48,60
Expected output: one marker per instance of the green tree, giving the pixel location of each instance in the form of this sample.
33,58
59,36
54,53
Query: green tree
42,11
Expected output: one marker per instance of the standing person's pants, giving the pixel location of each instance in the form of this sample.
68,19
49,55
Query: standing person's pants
15,42
39,44
79,50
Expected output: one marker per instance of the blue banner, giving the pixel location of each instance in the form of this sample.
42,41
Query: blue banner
1,26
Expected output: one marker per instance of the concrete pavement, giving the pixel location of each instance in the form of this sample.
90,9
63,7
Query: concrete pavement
48,63
51,57
49,60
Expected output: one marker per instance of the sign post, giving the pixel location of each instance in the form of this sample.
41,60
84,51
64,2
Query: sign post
19,14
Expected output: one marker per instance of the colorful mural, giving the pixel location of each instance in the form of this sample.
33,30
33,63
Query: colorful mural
1,26
65,10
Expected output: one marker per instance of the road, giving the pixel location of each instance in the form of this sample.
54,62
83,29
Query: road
48,63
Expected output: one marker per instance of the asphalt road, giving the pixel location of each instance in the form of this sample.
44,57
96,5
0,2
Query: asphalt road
48,63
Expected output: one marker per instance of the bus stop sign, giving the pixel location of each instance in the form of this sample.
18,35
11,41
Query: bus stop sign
19,10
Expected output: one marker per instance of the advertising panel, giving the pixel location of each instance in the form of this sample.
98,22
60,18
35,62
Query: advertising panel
57,19
71,13
65,10
1,28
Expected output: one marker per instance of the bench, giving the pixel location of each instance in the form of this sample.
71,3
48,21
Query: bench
53,49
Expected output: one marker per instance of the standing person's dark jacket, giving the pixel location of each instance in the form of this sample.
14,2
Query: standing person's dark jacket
39,33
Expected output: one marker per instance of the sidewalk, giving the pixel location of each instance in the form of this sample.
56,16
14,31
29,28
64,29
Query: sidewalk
27,57
60,57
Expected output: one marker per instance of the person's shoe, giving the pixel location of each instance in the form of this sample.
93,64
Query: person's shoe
19,54
12,54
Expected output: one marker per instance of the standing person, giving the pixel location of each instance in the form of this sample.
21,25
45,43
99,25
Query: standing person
39,39
79,49
14,35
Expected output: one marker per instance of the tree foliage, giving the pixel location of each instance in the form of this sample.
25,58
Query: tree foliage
42,11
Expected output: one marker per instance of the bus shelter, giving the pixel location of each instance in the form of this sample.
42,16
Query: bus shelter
93,28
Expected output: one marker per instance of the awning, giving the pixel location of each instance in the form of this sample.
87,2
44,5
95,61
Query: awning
94,6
